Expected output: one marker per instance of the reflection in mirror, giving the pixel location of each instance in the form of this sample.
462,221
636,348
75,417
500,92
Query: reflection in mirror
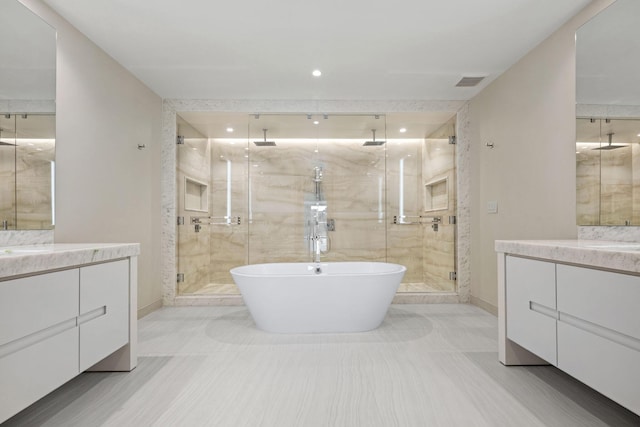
607,154
608,107
27,170
27,120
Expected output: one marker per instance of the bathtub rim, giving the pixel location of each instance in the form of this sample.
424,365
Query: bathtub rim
399,268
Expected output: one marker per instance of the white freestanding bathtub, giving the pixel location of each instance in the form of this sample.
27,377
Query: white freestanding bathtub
294,298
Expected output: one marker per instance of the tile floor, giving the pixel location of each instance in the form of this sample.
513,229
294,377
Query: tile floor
427,365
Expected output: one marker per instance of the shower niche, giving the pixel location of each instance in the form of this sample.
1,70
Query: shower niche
298,187
196,195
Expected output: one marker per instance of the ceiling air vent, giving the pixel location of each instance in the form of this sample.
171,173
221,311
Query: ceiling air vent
469,81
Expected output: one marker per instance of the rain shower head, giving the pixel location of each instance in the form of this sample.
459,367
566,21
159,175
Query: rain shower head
265,143
374,142
609,146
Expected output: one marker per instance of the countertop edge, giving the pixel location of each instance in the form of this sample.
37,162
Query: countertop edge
58,256
589,253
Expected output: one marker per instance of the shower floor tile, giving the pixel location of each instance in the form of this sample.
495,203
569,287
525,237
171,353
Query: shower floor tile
427,365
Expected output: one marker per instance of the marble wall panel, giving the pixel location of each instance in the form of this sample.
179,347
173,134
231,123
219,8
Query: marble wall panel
33,186
25,185
276,181
439,258
193,258
228,250
7,185
404,246
588,187
171,106
616,185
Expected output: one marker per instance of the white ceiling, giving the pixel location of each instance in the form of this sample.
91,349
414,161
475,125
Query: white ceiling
382,50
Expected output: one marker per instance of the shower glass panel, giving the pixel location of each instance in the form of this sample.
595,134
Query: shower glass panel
318,181
422,208
211,207
305,188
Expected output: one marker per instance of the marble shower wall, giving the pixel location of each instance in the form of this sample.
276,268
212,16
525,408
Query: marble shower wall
405,241
228,243
271,188
282,189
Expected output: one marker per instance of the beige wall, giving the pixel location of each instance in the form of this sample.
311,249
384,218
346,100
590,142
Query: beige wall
528,114
107,190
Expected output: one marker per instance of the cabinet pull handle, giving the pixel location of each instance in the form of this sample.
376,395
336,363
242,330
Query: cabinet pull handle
91,315
36,337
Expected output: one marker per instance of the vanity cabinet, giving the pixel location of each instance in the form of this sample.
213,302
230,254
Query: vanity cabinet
38,337
55,325
599,331
104,311
531,306
583,320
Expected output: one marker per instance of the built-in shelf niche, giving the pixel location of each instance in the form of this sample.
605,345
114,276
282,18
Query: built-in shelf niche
196,195
436,195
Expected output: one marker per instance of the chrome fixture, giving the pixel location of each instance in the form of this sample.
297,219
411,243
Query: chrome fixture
374,142
401,220
5,224
316,218
318,182
265,143
610,146
199,221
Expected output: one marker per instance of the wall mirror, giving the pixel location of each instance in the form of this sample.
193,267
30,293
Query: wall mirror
27,119
608,117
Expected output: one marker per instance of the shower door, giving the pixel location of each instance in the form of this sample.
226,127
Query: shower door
421,182
315,171
211,209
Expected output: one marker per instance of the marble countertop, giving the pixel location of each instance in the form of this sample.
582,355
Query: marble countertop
610,255
21,260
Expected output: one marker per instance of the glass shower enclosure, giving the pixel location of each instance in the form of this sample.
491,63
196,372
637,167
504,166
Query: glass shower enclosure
301,187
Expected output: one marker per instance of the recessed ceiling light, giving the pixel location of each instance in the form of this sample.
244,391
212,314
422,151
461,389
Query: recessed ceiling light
315,122
403,130
316,73
229,129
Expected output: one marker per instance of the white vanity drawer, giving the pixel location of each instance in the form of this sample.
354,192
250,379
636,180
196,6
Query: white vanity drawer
34,371
605,298
609,367
30,304
104,310
531,304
